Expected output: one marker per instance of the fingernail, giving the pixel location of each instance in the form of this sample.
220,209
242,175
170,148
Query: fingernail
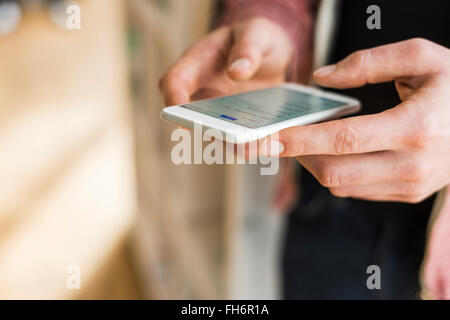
271,148
239,64
325,71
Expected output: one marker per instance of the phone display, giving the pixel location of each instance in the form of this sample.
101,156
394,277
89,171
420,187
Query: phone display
264,107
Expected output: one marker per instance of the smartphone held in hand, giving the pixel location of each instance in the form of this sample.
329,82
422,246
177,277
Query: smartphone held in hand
254,115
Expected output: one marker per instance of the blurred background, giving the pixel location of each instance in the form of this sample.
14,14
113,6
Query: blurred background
91,206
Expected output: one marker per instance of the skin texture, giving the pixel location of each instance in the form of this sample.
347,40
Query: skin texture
401,154
245,56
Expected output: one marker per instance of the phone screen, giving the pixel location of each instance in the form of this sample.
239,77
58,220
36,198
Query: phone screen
264,107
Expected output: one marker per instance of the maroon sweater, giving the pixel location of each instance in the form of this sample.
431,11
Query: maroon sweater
297,17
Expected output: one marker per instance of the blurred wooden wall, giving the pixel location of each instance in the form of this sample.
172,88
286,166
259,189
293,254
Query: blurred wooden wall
179,230
67,186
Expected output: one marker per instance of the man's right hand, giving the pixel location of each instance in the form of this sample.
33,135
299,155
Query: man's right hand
245,56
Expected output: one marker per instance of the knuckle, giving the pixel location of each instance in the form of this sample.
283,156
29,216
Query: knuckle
346,140
413,190
358,58
173,76
330,177
294,145
417,172
422,135
357,61
174,79
421,49
297,146
300,147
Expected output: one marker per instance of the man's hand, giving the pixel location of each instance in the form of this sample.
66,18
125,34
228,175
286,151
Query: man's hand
245,56
402,154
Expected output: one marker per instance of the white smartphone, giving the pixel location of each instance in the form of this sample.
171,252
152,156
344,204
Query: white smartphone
253,115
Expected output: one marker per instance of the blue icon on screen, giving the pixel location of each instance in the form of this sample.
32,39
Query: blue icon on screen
227,117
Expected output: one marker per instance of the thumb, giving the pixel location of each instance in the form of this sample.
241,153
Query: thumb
247,52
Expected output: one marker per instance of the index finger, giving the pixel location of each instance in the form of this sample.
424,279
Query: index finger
410,58
184,77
